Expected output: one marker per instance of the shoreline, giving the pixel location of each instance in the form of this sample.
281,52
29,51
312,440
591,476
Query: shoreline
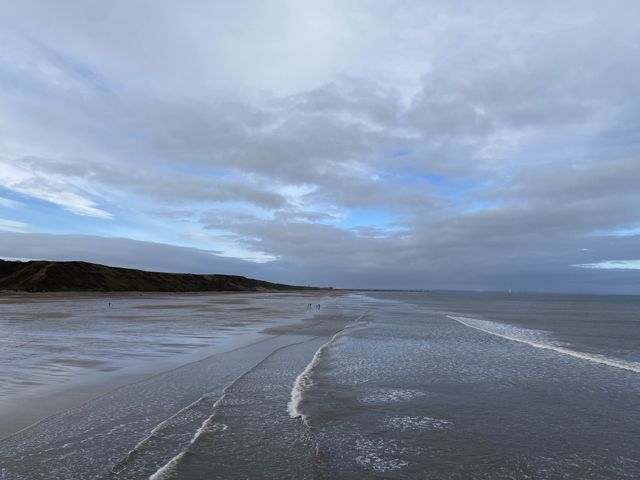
89,379
28,409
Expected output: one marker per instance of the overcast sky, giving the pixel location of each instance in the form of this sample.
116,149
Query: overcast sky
403,144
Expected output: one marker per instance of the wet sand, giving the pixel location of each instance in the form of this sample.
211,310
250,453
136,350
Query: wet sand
60,350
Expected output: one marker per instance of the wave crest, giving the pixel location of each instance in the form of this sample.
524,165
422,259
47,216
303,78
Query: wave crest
536,339
303,381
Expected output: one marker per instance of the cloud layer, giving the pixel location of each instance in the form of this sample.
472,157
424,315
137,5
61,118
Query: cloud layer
412,145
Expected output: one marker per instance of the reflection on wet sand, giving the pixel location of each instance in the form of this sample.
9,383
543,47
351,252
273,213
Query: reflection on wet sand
74,347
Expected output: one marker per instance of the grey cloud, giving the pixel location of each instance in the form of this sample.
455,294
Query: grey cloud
164,185
526,114
575,182
120,252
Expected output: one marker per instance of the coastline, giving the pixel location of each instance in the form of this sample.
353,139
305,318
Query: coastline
28,409
90,378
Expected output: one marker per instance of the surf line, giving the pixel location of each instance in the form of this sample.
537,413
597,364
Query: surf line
303,381
595,358
172,464
118,467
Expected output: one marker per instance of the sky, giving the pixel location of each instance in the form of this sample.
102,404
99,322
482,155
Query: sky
367,144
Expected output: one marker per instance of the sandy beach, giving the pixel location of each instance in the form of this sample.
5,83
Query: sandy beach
60,350
393,385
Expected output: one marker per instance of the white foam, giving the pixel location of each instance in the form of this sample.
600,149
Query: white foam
208,424
535,340
203,428
167,469
217,427
411,423
376,455
377,463
389,395
303,381
154,432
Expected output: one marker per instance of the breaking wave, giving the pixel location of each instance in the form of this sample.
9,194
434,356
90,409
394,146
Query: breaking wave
538,339
209,424
167,469
303,382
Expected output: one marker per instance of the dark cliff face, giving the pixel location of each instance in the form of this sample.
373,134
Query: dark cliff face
82,277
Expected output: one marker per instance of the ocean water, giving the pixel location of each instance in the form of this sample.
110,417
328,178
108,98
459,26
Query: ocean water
391,385
482,386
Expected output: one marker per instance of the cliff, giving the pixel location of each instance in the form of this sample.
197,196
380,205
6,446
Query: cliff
46,276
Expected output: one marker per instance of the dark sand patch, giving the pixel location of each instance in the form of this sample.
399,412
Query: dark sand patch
39,315
77,362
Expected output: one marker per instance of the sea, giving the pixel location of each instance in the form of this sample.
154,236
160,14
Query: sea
353,385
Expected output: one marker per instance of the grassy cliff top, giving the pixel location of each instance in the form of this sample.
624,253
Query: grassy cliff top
46,276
